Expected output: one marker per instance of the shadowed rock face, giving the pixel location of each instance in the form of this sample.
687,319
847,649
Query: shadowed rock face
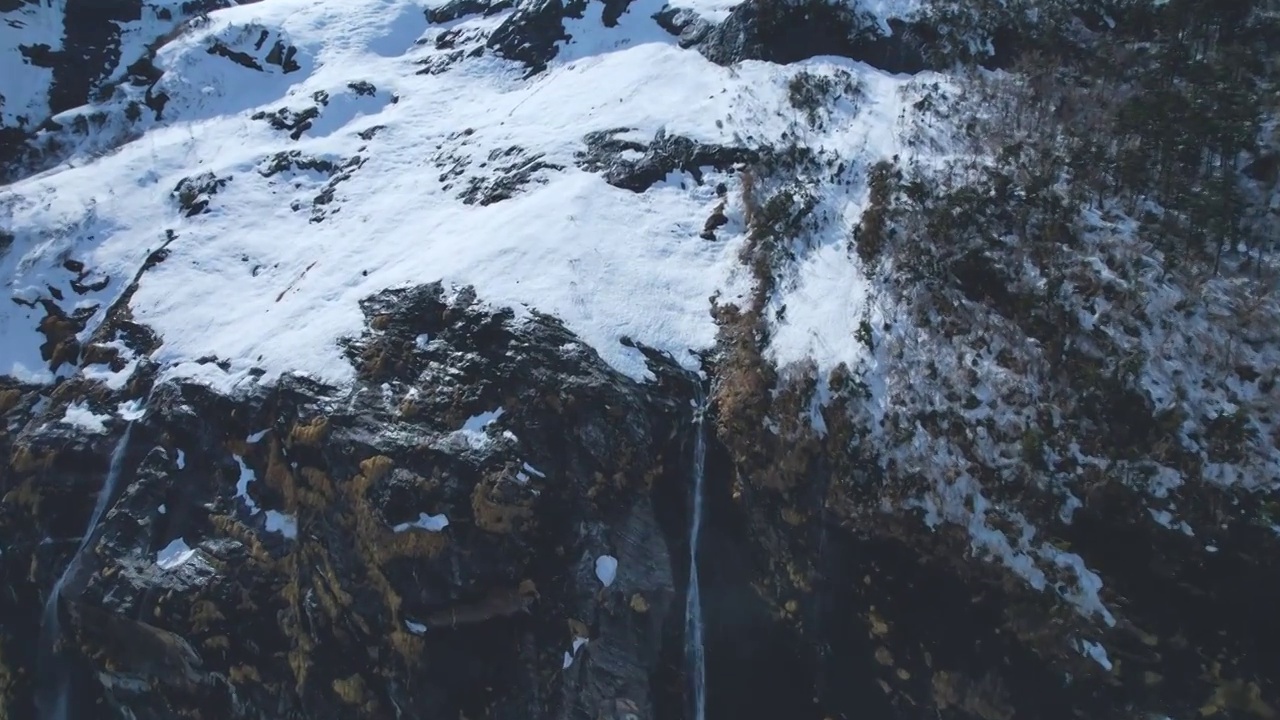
787,32
308,590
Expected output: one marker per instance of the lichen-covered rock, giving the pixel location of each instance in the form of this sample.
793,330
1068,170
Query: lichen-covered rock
425,540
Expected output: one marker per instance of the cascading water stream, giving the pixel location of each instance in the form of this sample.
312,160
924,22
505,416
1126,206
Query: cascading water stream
52,703
695,652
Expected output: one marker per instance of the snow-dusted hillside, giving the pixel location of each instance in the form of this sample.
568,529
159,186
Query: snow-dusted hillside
227,212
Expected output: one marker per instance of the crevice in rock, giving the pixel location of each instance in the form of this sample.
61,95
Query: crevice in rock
758,666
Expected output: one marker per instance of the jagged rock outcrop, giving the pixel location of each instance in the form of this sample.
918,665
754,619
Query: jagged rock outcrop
530,34
423,543
665,154
787,31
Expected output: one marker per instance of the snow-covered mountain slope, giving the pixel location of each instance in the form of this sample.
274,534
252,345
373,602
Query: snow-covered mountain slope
397,175
56,55
920,368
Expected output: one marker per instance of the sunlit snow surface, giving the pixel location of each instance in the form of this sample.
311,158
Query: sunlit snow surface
257,283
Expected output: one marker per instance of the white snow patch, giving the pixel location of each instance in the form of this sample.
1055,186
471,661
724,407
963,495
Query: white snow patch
174,554
131,410
162,509
606,569
78,415
422,341
473,430
257,437
534,471
415,627
569,655
279,522
430,523
1097,652
276,521
477,423
182,460
114,380
242,485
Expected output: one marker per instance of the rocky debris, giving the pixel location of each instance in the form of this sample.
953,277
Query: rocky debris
336,109
486,181
322,205
530,35
606,153
507,179
531,456
337,171
788,31
193,194
296,161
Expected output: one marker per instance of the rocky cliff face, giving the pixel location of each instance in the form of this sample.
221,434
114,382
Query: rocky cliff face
427,543
353,351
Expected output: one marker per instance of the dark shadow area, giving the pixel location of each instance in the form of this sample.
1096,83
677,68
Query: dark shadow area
757,665
671,497
895,626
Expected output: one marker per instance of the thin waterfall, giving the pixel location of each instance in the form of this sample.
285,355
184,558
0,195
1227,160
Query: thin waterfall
52,703
695,653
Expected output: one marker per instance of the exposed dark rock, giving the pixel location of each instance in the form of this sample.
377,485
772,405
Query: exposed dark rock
283,56
294,122
458,9
193,194
717,220
357,612
509,172
530,35
295,160
685,24
788,31
664,155
613,10
322,205
243,59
